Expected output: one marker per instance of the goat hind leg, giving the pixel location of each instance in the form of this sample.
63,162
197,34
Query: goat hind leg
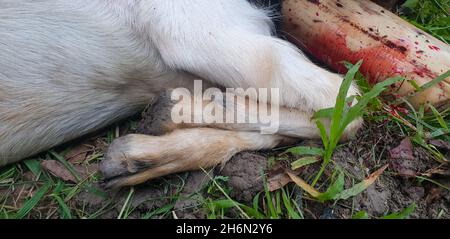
134,159
290,122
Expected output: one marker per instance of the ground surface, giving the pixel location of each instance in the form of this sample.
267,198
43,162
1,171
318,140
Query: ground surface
202,195
393,192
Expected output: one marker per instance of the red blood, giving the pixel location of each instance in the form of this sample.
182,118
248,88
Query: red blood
383,59
398,71
399,109
397,96
423,71
434,48
394,113
380,61
317,14
419,73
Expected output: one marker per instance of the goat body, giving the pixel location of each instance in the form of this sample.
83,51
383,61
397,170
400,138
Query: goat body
68,68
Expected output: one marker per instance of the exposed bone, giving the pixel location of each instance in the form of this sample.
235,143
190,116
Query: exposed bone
350,30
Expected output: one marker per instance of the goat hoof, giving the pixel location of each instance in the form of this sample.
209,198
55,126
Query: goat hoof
121,162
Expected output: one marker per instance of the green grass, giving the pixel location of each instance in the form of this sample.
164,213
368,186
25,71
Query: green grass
28,191
432,16
420,125
343,114
266,205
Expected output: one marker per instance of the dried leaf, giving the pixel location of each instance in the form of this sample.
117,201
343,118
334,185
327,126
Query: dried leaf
433,195
58,170
101,145
440,144
439,172
305,186
278,181
402,159
86,170
278,178
403,151
78,154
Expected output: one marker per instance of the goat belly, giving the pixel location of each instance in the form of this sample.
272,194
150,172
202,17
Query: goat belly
350,30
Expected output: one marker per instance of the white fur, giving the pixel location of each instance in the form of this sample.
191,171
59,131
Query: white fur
70,67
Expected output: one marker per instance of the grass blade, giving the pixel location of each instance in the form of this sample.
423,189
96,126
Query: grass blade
403,214
67,165
304,150
340,102
437,80
323,132
323,113
358,110
336,188
34,166
163,210
361,215
287,204
438,116
65,211
32,202
303,162
126,204
360,187
271,207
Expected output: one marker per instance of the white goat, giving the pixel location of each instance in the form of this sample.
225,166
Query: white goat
69,67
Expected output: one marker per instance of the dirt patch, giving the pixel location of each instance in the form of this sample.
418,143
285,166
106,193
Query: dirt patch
188,205
246,175
182,194
142,201
394,190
